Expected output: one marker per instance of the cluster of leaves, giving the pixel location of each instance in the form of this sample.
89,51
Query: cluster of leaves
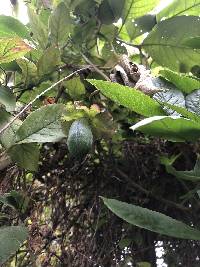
67,41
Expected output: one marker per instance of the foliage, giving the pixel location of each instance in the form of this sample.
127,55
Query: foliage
95,97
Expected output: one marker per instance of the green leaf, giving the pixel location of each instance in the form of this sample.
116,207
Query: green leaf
151,220
185,83
60,24
129,97
193,42
110,11
11,238
140,25
48,61
183,111
134,9
7,137
42,126
75,88
29,71
12,48
172,128
165,43
29,95
10,27
38,28
7,98
193,175
180,7
25,155
192,102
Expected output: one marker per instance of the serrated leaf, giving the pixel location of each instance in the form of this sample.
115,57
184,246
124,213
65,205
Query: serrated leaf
180,7
173,97
25,155
12,48
48,61
38,28
60,24
185,83
192,102
129,97
7,98
10,27
75,88
11,238
164,43
42,125
151,220
173,128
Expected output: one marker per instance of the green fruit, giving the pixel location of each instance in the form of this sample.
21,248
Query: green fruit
80,138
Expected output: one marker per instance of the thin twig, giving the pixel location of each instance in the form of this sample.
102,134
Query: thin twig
38,96
95,68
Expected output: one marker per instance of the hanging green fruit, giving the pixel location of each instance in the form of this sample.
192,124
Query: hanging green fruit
80,138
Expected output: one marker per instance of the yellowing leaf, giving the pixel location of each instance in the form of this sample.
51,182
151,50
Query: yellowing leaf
12,48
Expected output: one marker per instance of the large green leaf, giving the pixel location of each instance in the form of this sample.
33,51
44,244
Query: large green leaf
129,97
10,27
140,25
42,125
25,155
11,238
137,8
151,220
60,24
180,7
7,98
165,44
12,48
38,28
193,42
185,83
173,128
48,61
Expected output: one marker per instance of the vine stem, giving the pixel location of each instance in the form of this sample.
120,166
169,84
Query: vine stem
38,96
